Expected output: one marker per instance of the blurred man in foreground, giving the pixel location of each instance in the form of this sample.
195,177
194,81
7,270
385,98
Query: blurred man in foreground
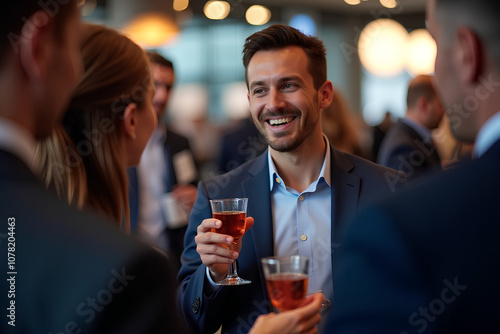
436,269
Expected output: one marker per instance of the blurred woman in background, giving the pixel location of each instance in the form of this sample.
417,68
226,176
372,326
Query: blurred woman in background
105,129
342,128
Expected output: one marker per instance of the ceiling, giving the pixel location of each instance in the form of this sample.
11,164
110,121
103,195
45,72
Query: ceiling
340,7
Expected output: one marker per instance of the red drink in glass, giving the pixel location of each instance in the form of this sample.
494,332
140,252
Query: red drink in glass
233,223
287,291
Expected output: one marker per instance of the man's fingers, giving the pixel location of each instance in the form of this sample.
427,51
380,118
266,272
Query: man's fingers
208,224
213,238
214,249
248,223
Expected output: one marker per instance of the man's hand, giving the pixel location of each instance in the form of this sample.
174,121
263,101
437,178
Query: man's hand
214,247
185,195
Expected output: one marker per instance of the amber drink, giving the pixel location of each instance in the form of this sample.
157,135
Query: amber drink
233,223
232,213
286,280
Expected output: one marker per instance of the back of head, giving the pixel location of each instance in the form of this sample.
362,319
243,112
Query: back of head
480,15
420,86
157,59
279,36
81,160
14,15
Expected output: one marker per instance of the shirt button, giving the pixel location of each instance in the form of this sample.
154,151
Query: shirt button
303,237
301,198
278,180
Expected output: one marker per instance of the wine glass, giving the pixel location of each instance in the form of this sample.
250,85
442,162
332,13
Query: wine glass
325,303
232,213
286,280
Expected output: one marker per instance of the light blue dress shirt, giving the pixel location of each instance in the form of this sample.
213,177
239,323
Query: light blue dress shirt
488,135
302,223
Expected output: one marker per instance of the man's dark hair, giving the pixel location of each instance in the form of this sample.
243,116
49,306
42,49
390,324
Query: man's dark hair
279,36
158,59
421,86
15,13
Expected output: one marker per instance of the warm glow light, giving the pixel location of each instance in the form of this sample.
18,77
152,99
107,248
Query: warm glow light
389,3
352,2
151,29
258,15
234,100
180,5
382,46
421,52
216,10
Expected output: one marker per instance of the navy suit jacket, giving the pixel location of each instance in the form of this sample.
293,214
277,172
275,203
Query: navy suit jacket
355,182
74,270
240,145
426,261
405,150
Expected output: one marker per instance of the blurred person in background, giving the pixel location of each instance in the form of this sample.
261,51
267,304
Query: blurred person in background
70,270
428,260
408,146
378,133
240,145
162,190
451,150
341,126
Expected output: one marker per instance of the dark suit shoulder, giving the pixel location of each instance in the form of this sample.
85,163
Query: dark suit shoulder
176,140
374,178
66,257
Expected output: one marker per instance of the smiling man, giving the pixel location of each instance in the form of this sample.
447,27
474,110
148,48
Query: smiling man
301,191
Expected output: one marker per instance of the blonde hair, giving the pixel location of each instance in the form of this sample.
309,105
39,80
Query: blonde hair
82,159
339,125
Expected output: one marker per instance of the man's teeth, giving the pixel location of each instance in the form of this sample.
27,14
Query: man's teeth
280,121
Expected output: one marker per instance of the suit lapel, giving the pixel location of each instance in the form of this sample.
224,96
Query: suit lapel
345,194
259,207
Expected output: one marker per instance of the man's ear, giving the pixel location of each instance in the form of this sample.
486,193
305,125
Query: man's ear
36,45
469,54
129,121
422,103
325,94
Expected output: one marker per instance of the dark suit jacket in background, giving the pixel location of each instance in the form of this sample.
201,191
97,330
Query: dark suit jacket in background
75,271
426,261
405,150
240,145
355,182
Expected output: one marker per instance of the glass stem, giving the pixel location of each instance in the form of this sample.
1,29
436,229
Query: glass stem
232,273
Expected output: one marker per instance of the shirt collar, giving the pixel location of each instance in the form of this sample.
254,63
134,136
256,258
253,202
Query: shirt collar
323,174
425,133
488,135
159,134
18,141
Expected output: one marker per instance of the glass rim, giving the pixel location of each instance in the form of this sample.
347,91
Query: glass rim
229,199
275,259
